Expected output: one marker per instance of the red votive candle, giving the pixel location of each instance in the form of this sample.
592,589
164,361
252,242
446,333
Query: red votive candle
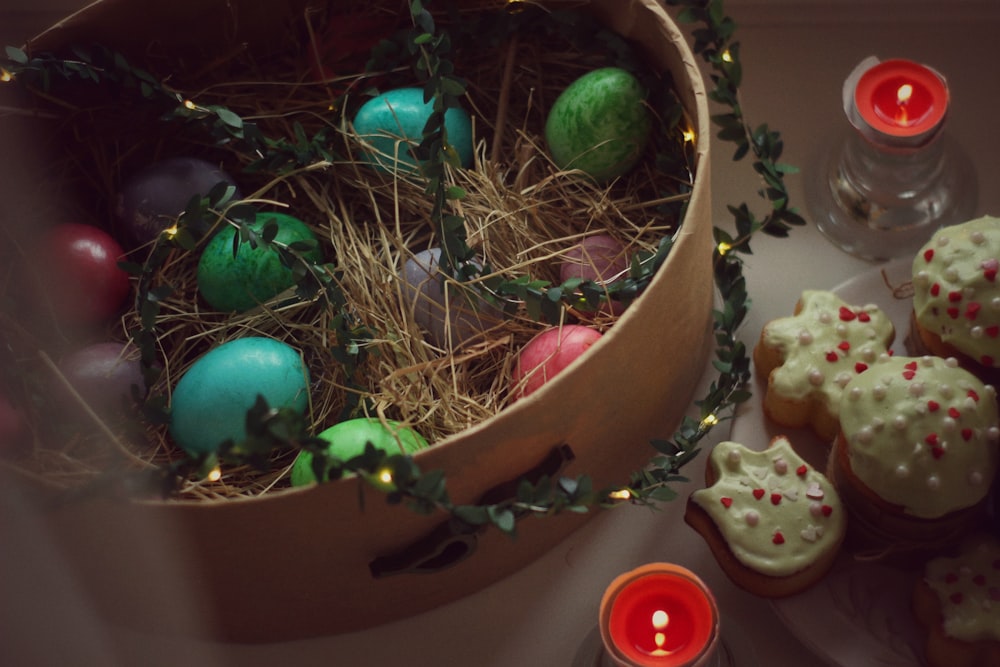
901,99
659,615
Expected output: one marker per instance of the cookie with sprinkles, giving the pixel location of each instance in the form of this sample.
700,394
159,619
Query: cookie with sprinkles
917,452
773,522
810,357
957,604
956,297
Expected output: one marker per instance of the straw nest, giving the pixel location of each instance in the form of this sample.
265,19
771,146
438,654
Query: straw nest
521,215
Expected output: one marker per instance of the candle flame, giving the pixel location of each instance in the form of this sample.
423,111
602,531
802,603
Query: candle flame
660,619
904,94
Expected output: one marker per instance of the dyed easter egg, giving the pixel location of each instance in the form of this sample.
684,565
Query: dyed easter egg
348,438
600,258
599,124
254,275
151,200
211,400
76,268
393,122
422,291
548,353
104,375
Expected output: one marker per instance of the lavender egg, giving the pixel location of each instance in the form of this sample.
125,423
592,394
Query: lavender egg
106,375
457,323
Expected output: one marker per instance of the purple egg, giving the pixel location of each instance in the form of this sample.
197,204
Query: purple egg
103,374
152,199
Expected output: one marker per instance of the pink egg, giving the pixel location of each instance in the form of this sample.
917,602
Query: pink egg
103,374
548,353
600,258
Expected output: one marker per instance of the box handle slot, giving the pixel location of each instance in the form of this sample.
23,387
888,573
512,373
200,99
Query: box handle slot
454,541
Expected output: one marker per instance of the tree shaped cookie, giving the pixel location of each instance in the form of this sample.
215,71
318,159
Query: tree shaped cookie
809,357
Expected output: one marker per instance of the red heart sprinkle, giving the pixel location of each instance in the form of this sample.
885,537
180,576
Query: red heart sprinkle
935,289
953,313
860,367
954,296
909,375
832,356
846,314
993,331
966,434
972,310
775,498
990,275
932,439
933,406
778,538
845,346
929,254
827,510
910,366
937,452
758,493
727,502
954,413
802,470
987,360
956,598
864,317
973,395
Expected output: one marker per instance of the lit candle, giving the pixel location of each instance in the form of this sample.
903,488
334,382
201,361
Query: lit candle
896,102
659,615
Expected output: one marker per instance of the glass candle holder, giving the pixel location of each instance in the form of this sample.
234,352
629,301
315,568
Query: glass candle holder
897,176
659,615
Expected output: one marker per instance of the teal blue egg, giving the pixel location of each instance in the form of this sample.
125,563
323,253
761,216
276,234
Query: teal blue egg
347,439
394,121
599,124
254,275
210,402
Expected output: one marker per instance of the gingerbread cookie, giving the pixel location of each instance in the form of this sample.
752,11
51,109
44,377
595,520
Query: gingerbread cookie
810,357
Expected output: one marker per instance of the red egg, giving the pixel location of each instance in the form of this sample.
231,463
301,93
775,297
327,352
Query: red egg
77,270
548,353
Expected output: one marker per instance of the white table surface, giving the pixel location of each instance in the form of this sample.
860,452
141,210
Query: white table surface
796,55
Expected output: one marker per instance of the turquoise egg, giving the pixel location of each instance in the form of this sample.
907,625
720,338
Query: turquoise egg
347,440
599,124
394,121
210,402
254,275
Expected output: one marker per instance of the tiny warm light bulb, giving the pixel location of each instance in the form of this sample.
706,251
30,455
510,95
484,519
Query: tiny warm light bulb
215,475
5,76
724,247
620,494
689,136
384,475
727,56
188,104
171,232
710,419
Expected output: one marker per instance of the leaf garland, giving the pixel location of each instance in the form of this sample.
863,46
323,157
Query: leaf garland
427,48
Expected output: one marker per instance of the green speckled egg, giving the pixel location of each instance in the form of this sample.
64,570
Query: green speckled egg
210,402
347,440
599,124
254,275
392,122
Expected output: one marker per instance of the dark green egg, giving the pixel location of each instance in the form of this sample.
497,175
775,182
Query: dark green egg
254,275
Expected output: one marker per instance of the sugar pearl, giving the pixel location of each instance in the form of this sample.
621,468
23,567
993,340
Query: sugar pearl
902,471
752,518
977,237
780,466
917,389
899,422
975,478
878,392
816,377
921,278
825,317
805,337
841,330
933,482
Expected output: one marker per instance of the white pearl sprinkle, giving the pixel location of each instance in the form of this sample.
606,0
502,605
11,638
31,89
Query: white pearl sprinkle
946,391
805,337
993,434
951,274
899,423
933,482
780,466
816,377
752,518
976,478
902,471
841,330
825,317
921,278
977,238
878,392
917,389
